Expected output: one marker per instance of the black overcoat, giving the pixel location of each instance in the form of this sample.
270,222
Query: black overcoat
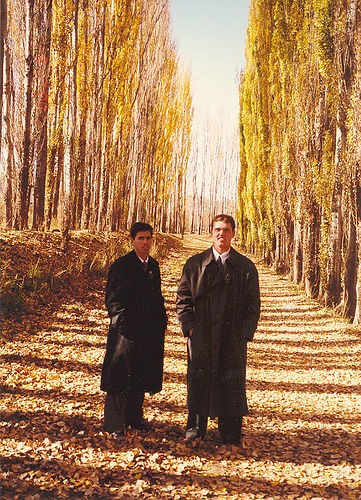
223,307
135,345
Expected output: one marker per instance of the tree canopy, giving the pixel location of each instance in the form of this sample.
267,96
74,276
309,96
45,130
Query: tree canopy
96,117
299,188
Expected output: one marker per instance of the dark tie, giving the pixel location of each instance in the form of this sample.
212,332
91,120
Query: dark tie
145,266
219,262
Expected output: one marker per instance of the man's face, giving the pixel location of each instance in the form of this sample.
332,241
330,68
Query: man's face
142,243
222,234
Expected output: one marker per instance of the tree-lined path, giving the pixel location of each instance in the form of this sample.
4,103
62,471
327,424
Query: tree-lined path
302,437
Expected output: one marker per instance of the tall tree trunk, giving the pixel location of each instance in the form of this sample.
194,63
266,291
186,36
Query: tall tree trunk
83,107
51,179
7,151
103,221
346,65
80,175
357,316
333,286
3,36
70,128
311,274
348,304
23,194
42,65
297,251
97,117
59,169
280,263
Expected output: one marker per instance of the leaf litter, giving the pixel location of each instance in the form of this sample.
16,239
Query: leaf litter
301,439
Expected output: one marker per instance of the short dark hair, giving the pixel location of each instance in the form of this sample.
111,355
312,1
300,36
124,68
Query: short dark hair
224,218
140,226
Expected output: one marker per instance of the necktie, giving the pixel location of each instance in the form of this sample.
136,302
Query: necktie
145,266
219,262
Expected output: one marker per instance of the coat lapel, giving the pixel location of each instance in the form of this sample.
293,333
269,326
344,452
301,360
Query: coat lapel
137,266
200,285
136,260
151,268
233,257
232,264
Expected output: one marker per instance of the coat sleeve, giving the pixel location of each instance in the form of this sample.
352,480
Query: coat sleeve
185,302
116,298
164,317
252,304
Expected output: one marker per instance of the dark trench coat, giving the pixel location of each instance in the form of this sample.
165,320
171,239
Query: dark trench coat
223,307
135,345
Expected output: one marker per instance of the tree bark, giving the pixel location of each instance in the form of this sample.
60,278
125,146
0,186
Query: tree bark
3,36
22,204
281,255
311,272
346,65
347,306
357,316
70,128
55,150
297,249
83,111
42,66
7,151
97,117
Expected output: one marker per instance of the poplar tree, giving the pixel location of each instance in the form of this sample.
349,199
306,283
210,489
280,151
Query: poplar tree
298,188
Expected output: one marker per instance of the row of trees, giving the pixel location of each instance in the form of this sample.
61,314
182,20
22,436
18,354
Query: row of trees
300,182
95,117
211,180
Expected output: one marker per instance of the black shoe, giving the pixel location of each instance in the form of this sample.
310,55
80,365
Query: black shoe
231,440
118,436
193,434
143,425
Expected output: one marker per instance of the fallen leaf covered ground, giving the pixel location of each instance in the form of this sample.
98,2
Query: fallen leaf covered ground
301,439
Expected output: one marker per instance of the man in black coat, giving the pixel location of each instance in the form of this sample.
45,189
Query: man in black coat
133,363
218,307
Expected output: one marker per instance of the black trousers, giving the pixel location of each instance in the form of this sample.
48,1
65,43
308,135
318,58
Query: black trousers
229,427
122,409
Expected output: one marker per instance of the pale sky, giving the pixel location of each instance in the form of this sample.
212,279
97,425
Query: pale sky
211,35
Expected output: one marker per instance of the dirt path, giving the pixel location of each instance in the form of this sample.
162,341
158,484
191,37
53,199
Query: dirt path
302,437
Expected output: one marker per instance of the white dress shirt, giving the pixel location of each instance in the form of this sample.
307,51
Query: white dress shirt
143,261
223,256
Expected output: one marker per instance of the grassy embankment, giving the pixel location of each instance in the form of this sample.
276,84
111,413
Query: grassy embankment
38,270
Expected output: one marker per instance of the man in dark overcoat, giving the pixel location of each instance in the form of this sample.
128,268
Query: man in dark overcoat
133,363
218,307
